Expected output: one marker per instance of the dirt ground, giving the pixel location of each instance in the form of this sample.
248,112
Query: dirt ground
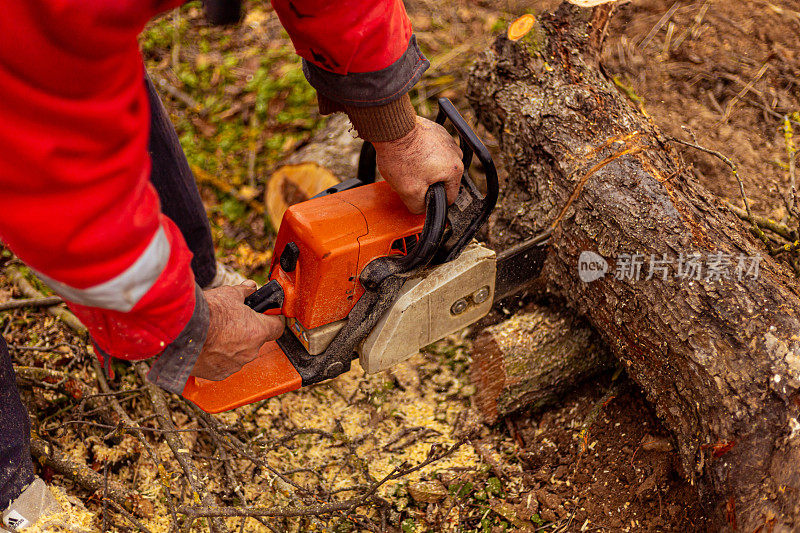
726,74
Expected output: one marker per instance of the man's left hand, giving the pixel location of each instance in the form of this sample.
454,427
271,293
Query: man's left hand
424,156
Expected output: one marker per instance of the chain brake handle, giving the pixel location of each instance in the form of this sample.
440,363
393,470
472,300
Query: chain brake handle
471,208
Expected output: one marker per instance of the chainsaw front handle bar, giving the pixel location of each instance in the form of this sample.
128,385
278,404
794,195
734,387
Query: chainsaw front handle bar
432,232
471,209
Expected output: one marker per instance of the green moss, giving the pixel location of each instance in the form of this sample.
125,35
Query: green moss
628,91
534,40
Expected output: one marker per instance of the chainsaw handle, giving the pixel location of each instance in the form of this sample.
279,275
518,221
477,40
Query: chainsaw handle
470,144
268,297
471,209
432,232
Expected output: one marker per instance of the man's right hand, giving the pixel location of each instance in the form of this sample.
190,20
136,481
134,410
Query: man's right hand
235,332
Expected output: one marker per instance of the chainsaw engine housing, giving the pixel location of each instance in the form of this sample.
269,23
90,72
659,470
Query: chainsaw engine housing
333,238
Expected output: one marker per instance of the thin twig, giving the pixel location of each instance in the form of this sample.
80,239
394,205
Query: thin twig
151,451
791,152
735,171
693,30
660,24
206,177
18,278
740,94
320,509
179,449
128,516
764,222
626,150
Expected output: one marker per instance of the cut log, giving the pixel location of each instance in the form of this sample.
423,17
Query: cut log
532,359
718,356
330,156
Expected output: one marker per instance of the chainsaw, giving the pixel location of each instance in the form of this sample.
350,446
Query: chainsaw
357,275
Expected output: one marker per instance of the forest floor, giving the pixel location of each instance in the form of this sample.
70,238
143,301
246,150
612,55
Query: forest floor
724,74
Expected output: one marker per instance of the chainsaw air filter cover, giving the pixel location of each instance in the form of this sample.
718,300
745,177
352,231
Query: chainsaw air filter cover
335,237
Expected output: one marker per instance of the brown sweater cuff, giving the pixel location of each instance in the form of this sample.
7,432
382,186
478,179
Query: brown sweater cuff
376,123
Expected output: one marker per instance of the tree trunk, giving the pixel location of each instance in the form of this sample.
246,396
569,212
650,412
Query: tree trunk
719,357
532,359
330,156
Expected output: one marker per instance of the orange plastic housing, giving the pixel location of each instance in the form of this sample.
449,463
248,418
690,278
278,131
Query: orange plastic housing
270,374
337,236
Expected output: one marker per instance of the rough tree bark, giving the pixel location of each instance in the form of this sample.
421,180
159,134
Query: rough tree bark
719,358
533,359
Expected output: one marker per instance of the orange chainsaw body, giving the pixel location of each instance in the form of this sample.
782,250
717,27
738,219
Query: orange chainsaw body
337,236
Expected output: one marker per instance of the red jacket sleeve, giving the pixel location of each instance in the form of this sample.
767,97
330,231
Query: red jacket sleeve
361,57
346,36
75,199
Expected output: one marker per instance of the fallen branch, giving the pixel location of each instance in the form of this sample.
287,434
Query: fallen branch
735,171
325,508
89,479
46,301
25,287
179,449
70,385
151,451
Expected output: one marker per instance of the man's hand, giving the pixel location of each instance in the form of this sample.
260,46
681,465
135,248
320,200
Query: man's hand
235,332
424,156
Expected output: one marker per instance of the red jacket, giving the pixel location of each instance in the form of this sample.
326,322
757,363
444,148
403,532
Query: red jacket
75,200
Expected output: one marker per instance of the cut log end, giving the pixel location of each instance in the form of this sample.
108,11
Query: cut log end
521,26
329,157
291,184
531,360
